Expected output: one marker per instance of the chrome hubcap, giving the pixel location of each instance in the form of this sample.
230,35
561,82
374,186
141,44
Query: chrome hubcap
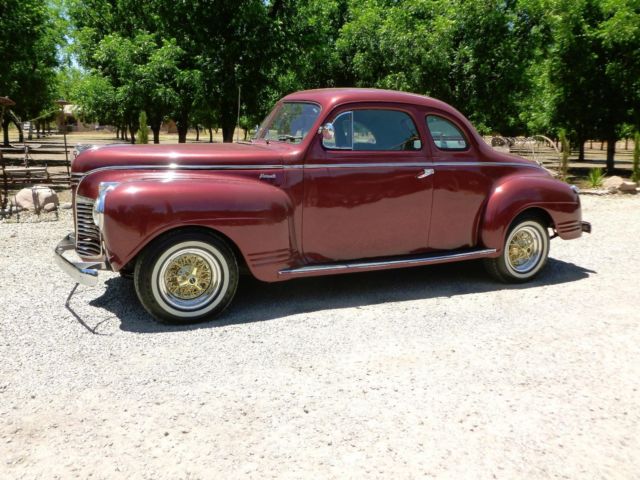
524,249
190,278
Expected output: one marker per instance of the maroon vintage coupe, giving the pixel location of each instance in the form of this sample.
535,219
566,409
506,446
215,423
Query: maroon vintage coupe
334,181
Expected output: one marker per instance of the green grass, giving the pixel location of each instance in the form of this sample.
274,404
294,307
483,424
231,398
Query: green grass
595,177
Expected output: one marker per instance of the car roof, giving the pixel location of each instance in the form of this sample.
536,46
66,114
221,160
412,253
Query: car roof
330,97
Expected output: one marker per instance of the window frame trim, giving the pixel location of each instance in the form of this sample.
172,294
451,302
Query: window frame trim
346,112
455,124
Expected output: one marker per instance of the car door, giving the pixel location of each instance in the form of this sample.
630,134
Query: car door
367,186
460,184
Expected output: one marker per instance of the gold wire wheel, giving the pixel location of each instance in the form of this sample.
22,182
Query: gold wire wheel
524,249
190,278
187,276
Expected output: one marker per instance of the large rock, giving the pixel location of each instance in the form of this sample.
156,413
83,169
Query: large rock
612,183
628,187
36,199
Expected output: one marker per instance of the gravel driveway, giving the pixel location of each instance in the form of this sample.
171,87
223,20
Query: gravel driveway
418,373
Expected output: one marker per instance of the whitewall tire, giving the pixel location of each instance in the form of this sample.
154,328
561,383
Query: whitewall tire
186,277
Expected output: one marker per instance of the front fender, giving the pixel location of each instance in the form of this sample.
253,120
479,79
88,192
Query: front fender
515,194
255,216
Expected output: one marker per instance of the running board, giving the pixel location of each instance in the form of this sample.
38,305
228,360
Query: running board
383,264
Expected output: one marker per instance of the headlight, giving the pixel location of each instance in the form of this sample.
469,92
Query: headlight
98,207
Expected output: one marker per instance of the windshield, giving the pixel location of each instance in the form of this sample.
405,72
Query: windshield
289,122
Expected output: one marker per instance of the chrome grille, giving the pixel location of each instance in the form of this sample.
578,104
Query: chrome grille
87,233
75,179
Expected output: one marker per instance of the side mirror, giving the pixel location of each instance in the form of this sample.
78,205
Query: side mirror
328,132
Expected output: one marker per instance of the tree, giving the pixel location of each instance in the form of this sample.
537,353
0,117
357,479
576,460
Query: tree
118,41
97,96
226,45
473,54
593,69
28,41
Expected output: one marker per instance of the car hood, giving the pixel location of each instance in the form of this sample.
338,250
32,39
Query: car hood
232,154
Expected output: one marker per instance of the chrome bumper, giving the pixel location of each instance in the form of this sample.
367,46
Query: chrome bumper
85,273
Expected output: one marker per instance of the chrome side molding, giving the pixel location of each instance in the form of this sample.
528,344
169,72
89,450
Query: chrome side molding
395,262
308,166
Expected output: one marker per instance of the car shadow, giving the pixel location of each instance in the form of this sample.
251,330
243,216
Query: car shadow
257,301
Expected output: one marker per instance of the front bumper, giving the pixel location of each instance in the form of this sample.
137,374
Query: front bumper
85,273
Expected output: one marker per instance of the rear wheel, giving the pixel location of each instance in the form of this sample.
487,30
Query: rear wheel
186,277
524,253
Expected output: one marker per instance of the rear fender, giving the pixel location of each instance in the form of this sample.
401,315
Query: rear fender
254,215
516,194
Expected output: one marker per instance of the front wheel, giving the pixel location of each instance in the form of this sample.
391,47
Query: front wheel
524,253
186,277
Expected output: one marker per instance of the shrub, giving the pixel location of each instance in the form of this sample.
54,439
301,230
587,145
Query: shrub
564,156
595,178
143,133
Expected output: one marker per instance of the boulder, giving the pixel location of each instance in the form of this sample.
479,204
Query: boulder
36,199
628,187
612,183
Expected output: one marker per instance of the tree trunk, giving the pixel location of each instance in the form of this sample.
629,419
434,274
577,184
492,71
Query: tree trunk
156,125
228,124
182,134
601,145
197,133
580,151
5,131
626,143
210,135
132,131
611,152
183,128
227,133
20,131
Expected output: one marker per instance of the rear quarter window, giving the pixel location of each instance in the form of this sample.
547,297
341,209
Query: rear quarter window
446,135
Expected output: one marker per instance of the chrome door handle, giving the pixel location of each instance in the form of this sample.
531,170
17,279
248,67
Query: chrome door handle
267,176
426,172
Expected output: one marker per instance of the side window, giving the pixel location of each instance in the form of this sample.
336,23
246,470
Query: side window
373,130
445,134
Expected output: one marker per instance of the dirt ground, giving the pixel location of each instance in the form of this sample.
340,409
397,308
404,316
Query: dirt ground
433,372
